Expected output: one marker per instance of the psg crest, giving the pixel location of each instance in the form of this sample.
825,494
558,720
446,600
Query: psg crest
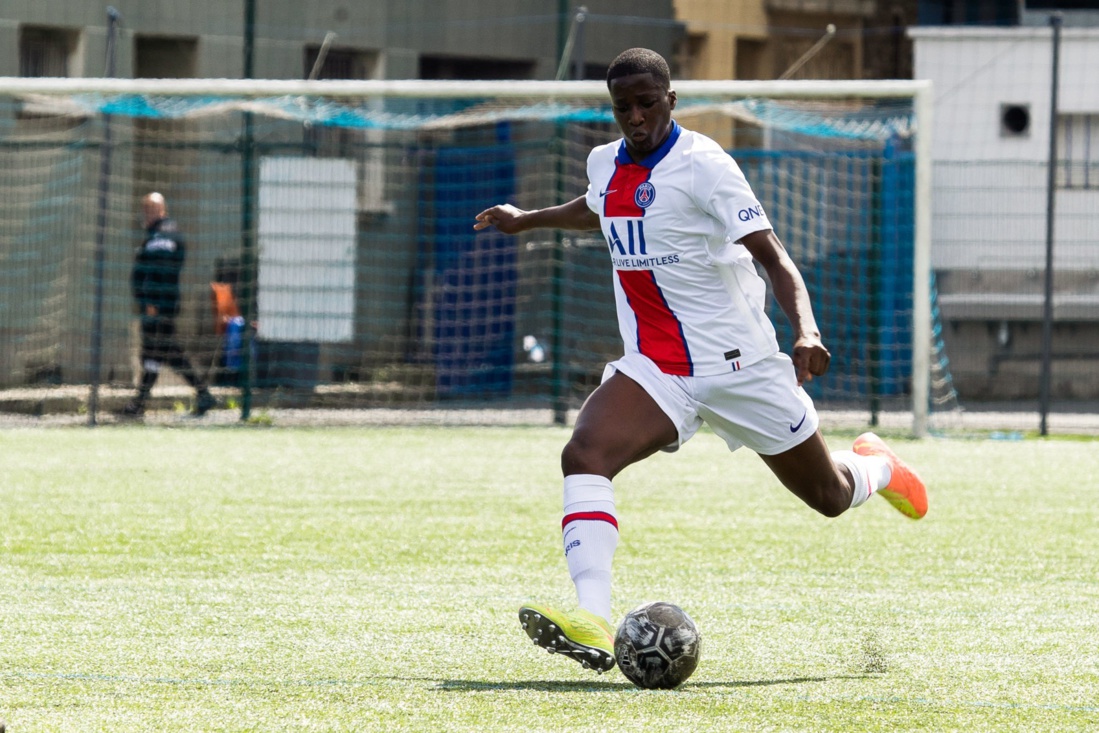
644,195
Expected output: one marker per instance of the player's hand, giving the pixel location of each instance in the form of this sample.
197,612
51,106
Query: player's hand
505,217
811,358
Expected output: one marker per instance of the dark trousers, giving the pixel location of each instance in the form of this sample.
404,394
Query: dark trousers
159,346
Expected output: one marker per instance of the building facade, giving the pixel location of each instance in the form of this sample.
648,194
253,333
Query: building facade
995,203
377,39
392,200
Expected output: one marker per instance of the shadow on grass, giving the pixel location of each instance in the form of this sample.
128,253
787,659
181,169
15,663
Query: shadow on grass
578,686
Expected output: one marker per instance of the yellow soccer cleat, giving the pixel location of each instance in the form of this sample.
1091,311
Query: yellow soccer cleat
906,490
579,634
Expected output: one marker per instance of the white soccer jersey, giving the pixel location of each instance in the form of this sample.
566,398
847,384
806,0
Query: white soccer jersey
688,295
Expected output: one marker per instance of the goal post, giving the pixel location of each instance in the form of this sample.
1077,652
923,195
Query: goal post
373,289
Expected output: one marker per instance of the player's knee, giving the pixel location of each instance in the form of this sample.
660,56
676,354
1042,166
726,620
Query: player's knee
573,458
581,455
832,508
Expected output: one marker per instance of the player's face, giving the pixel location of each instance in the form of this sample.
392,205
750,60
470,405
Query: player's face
643,111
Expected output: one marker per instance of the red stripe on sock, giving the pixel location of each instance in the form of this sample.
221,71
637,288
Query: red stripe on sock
590,517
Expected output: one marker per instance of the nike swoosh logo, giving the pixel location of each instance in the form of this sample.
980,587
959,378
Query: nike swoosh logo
795,428
606,192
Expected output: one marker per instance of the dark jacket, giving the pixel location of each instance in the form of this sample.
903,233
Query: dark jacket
155,278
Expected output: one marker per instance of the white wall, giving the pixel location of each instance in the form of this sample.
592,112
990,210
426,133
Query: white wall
306,230
974,70
989,190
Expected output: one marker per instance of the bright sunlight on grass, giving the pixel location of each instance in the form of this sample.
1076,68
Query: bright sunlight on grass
368,579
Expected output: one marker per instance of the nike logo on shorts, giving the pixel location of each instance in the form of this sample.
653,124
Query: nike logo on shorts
795,428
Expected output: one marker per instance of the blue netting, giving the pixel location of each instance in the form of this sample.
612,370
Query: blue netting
867,123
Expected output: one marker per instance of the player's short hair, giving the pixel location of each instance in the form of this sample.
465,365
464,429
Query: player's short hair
640,61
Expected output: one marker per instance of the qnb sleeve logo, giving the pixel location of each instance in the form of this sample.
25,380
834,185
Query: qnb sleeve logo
750,213
644,195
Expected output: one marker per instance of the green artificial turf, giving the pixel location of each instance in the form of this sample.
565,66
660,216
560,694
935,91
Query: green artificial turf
368,579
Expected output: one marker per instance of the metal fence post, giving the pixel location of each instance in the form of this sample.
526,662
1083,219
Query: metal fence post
1046,376
101,229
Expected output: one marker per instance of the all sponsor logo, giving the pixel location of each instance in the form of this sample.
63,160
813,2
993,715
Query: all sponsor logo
635,239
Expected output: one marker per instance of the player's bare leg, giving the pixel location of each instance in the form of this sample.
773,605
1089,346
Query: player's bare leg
619,424
833,482
809,472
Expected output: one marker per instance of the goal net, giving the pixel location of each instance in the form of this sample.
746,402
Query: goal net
331,259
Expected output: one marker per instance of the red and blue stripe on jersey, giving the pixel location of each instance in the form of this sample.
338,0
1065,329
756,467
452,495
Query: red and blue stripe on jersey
621,190
659,331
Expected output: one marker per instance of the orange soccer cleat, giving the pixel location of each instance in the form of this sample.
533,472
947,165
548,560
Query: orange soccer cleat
906,490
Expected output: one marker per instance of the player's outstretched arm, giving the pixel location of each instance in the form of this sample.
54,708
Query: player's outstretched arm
575,216
810,356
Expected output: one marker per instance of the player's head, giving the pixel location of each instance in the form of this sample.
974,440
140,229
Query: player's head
639,82
154,207
640,61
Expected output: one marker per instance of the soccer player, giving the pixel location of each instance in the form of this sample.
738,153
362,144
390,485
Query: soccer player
155,285
684,231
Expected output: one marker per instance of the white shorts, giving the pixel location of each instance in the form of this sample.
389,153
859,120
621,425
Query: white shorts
760,406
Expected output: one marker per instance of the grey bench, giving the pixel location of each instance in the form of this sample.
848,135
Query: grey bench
1007,308
1079,307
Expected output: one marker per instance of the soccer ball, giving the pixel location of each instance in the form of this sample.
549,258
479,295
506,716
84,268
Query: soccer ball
657,645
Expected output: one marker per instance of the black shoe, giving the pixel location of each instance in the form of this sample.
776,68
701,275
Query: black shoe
133,410
204,403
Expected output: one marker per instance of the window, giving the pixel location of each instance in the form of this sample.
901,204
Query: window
164,57
341,63
450,67
1015,120
1078,151
364,148
45,51
158,163
1062,4
48,51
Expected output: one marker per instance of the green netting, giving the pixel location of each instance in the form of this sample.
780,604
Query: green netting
371,287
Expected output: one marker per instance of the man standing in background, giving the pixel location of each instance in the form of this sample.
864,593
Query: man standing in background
155,286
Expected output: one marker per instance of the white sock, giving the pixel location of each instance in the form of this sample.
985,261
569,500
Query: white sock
869,472
589,531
